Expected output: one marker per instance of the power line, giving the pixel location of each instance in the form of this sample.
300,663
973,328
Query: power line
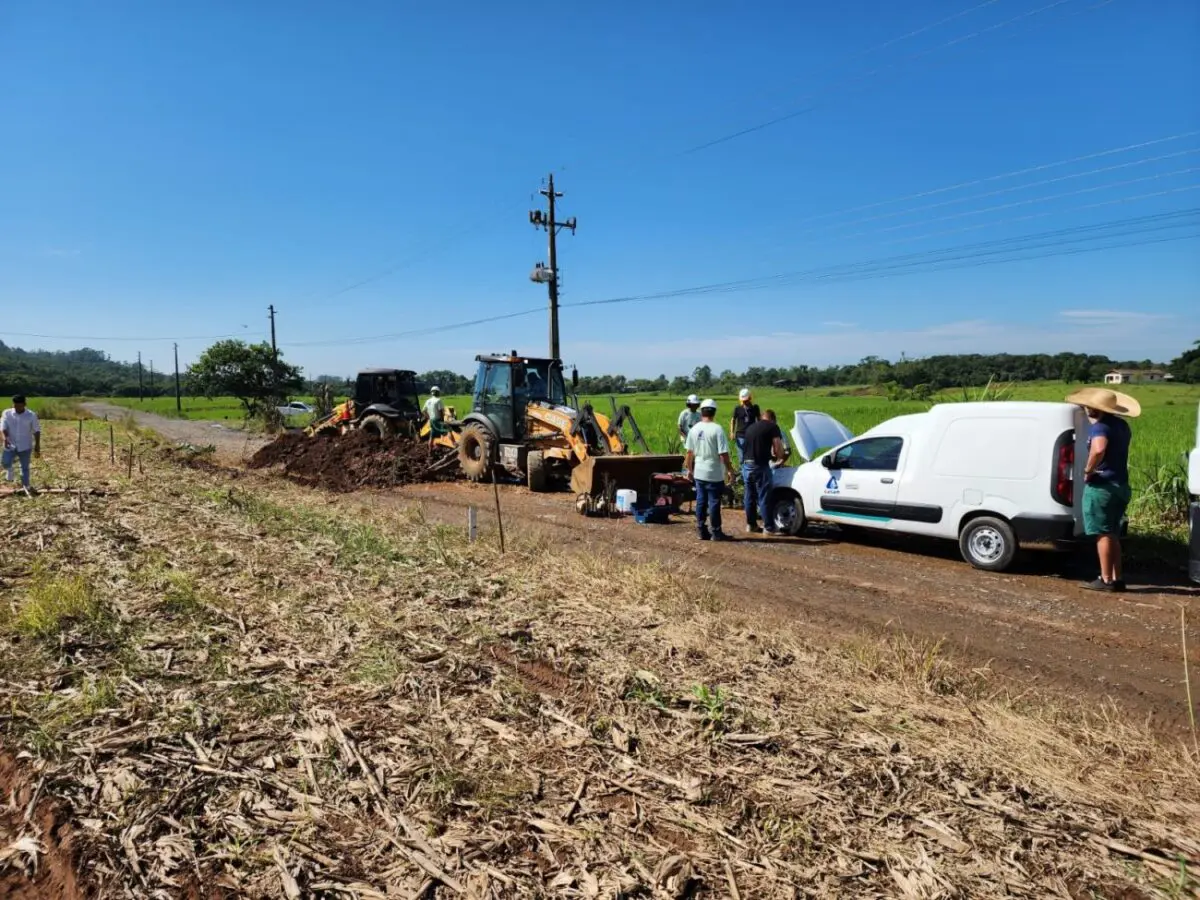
875,72
93,337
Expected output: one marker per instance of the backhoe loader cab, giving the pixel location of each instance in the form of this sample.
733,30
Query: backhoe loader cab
385,403
505,386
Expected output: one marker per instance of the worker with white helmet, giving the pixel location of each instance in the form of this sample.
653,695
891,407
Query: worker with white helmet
745,414
689,417
435,410
708,466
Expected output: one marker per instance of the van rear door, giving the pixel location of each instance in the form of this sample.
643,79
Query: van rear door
1070,457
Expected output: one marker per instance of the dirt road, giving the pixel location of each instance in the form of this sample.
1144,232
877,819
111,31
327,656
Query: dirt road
230,443
1035,623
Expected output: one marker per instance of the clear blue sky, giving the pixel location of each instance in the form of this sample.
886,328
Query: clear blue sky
169,169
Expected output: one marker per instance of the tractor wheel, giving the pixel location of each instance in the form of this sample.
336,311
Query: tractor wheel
329,429
535,470
377,425
475,451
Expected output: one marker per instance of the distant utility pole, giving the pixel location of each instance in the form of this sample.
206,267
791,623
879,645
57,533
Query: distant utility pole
540,273
271,315
178,399
139,376
151,374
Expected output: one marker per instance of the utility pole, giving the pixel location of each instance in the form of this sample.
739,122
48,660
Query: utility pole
271,314
540,273
139,376
178,399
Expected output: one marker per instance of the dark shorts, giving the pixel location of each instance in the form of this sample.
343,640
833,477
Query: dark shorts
1103,507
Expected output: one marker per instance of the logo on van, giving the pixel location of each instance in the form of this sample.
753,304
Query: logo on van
831,486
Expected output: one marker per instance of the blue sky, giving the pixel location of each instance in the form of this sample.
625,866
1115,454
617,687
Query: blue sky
170,169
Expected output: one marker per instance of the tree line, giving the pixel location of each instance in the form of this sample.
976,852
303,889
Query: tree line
256,374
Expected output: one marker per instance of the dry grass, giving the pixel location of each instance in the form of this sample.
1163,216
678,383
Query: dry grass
288,698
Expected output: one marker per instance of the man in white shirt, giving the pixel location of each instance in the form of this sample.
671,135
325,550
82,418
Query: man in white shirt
708,466
22,438
435,411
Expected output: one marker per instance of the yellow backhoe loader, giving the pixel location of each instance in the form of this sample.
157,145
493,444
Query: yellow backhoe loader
521,422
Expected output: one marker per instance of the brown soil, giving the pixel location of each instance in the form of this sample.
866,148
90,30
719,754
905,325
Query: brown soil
53,876
350,462
1034,623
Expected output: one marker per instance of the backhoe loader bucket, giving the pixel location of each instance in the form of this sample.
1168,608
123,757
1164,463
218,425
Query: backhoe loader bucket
598,474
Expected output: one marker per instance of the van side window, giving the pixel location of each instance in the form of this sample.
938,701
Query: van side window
880,454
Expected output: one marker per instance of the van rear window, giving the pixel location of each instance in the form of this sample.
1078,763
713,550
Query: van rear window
990,448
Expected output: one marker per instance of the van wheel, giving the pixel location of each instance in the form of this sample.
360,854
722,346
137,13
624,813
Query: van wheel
785,510
988,543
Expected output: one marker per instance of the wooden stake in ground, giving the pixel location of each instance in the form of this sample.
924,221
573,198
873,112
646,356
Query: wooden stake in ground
499,520
130,473
112,445
472,524
79,442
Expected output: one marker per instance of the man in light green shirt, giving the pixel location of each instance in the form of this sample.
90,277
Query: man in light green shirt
708,466
689,417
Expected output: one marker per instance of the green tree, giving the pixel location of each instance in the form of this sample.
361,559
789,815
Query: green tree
251,372
1186,366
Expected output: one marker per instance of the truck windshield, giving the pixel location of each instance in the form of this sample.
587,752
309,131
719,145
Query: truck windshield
544,381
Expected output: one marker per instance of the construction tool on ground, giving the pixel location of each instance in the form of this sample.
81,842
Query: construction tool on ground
385,403
521,422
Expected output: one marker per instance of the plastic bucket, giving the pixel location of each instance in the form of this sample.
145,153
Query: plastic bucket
626,499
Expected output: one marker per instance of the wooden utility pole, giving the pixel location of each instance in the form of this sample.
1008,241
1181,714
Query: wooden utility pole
139,376
178,398
548,221
271,316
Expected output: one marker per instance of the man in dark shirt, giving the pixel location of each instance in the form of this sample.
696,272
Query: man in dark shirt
1106,490
745,414
763,442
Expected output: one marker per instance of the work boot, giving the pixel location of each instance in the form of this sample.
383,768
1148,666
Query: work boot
705,536
721,536
1100,584
753,529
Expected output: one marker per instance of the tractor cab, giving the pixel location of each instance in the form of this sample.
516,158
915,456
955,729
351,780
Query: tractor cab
391,393
505,386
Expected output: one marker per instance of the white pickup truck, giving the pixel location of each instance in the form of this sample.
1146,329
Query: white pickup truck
989,475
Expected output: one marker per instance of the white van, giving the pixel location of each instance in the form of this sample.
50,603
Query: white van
1194,506
989,475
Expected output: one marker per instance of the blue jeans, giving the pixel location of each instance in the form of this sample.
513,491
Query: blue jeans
757,482
6,462
740,442
708,506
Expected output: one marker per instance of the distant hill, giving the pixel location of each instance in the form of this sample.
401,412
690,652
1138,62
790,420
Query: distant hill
70,373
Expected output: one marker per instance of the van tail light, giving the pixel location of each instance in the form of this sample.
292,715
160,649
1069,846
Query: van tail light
1063,488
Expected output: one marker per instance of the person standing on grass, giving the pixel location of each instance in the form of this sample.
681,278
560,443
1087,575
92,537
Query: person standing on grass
22,438
1106,489
764,445
689,417
745,414
708,467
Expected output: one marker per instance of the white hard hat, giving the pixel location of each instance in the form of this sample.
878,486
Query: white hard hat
744,394
709,404
435,390
692,400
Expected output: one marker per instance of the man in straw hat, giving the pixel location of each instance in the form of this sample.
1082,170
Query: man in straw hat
1106,477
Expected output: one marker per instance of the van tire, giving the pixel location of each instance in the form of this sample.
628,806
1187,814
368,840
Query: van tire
988,543
785,510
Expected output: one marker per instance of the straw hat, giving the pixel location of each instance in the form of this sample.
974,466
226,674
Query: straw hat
1113,402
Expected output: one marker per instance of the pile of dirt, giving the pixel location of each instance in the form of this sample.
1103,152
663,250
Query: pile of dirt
37,856
353,461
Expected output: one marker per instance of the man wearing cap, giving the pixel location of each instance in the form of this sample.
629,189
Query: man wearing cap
708,466
689,417
1106,477
745,414
22,438
435,411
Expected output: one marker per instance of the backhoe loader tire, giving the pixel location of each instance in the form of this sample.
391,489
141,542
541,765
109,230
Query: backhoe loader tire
535,470
327,430
377,425
475,451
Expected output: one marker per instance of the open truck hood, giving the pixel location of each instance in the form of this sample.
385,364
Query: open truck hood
815,431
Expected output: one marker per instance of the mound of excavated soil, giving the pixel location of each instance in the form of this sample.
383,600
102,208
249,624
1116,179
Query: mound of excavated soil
350,462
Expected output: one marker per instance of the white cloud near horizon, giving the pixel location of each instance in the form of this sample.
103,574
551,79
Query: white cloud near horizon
1111,333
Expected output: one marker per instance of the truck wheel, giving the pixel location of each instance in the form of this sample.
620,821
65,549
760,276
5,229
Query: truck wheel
475,451
377,425
785,510
535,470
988,543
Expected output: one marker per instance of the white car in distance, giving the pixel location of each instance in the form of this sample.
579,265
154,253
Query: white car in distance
295,408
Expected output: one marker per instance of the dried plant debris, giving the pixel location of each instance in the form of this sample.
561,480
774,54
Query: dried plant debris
242,691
